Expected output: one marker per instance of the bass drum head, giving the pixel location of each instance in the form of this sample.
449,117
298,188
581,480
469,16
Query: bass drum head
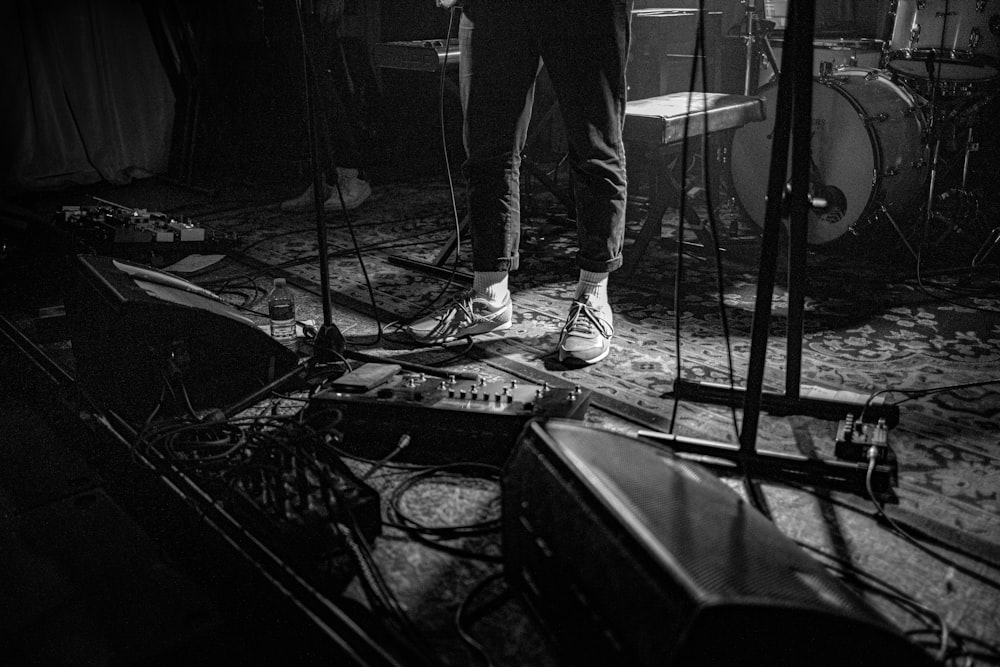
843,157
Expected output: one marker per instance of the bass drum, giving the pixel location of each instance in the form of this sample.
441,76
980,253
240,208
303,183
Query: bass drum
868,154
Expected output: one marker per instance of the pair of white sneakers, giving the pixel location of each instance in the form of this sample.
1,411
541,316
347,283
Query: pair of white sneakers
585,337
354,191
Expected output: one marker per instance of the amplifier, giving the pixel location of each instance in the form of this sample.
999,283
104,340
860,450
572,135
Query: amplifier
137,331
630,556
446,420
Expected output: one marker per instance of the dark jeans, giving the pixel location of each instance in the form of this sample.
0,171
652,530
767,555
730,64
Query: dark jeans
584,46
337,119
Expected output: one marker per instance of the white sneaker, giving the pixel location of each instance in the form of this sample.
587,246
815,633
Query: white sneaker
467,315
354,190
586,336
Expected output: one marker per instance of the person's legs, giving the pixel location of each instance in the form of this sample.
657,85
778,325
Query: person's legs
337,124
496,80
585,47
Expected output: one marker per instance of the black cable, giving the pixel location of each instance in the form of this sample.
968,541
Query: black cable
700,52
900,531
942,543
452,12
403,443
847,569
382,598
917,393
478,649
432,536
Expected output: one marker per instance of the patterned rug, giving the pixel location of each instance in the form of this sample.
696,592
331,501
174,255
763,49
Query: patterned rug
869,327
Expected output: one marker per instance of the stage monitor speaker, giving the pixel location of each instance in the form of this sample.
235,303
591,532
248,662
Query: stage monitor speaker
146,340
630,556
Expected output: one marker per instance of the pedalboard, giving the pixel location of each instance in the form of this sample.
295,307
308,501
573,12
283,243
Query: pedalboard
119,231
434,421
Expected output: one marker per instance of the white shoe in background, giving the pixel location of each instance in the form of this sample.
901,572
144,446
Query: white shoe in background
355,192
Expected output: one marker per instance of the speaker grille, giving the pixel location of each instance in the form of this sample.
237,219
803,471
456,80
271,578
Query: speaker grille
631,555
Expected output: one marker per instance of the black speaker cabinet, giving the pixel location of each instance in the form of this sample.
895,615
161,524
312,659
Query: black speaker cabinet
630,556
136,329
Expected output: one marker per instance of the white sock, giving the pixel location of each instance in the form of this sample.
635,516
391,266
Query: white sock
491,285
593,284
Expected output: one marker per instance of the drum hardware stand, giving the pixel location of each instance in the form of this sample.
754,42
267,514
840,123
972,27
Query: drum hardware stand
755,31
931,213
792,125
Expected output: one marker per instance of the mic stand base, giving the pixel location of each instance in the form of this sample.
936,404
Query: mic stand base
848,476
819,403
437,267
329,344
431,269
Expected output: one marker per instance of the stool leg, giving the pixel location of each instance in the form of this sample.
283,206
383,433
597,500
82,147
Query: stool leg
658,205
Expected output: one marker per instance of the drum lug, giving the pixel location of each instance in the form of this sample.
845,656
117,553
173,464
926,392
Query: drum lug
877,118
974,38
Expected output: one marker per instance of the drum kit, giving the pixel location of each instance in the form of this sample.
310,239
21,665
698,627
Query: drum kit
893,123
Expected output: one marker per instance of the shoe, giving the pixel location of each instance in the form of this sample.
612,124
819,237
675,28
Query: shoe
467,315
586,336
304,202
354,190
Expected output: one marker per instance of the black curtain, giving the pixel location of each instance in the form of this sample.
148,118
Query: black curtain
86,96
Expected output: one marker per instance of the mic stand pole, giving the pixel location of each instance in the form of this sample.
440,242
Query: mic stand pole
814,401
330,342
792,125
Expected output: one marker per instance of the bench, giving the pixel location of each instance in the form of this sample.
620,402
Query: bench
662,123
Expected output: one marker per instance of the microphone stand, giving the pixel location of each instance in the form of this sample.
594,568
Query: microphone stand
794,93
330,342
792,126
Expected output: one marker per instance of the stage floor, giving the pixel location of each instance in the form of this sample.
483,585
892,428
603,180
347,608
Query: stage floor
875,322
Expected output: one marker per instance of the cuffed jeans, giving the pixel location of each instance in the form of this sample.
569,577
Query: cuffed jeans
584,46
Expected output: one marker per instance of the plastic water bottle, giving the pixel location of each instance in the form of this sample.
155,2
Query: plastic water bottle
281,311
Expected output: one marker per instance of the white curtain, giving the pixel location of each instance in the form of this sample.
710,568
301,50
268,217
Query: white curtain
85,96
